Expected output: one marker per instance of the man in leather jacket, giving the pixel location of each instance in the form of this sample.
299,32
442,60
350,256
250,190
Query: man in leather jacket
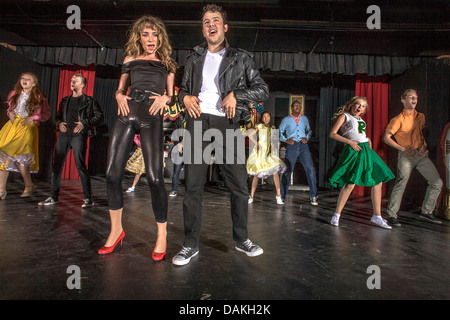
218,83
76,119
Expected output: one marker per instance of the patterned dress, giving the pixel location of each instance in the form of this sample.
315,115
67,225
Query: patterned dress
136,163
264,162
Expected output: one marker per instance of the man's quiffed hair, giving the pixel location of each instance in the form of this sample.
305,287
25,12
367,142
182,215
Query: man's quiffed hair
405,93
215,8
83,78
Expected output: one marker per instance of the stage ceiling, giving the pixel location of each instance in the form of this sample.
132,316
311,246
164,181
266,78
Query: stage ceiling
407,28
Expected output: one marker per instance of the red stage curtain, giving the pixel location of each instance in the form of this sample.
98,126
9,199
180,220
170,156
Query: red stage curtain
376,90
64,90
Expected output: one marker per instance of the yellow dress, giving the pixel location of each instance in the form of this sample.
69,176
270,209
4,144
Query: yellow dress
19,144
264,162
136,163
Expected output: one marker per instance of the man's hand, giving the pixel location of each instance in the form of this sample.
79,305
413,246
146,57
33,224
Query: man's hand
78,128
408,151
290,141
229,105
304,140
62,126
421,151
192,104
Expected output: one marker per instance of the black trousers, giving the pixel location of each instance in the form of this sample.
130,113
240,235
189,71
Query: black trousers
78,143
230,156
138,121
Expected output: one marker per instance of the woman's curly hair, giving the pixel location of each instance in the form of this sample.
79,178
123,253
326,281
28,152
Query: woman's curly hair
346,107
134,48
34,100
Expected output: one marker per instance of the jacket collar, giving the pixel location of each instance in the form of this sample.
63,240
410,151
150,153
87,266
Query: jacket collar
201,49
83,100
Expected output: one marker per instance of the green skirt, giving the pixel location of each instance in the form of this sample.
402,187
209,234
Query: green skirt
364,168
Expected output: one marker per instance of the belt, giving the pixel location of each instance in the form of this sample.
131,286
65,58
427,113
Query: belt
139,95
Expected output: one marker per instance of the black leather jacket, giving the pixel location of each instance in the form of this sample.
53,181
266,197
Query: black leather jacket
237,73
90,114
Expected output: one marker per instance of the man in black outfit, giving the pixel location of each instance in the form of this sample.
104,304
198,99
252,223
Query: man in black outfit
218,82
76,119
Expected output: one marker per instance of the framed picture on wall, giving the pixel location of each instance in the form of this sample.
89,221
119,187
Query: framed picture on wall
297,97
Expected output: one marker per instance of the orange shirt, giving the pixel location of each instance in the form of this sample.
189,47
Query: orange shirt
407,129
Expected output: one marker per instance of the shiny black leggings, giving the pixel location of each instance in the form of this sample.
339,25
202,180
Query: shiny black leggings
138,121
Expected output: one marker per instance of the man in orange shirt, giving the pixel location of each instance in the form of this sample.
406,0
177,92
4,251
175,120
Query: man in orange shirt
407,129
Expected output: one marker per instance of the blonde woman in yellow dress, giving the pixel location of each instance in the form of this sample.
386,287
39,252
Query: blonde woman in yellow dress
136,163
19,137
263,161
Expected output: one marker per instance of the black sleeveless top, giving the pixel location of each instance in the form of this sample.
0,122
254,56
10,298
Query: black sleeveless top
146,75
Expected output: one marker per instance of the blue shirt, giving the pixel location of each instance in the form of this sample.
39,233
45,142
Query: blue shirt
293,130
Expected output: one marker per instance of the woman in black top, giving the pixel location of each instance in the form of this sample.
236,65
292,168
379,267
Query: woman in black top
148,73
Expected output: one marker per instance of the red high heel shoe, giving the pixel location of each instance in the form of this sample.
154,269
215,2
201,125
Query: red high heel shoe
158,256
106,250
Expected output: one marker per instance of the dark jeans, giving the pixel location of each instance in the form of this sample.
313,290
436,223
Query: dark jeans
78,143
176,176
299,150
233,170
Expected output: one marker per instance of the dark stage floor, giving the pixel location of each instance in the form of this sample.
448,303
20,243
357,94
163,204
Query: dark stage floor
305,258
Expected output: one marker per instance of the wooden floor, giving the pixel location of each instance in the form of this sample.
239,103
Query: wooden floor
305,258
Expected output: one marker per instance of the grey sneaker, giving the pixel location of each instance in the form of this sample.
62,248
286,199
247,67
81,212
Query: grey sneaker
184,256
429,217
394,222
250,249
88,203
47,202
314,201
172,194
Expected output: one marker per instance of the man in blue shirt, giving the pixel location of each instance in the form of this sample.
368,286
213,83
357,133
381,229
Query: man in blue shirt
295,131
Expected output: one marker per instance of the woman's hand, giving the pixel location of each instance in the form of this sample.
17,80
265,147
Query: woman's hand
27,121
12,116
158,104
354,145
122,104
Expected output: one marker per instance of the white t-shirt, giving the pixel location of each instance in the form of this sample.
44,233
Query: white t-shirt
354,129
211,102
